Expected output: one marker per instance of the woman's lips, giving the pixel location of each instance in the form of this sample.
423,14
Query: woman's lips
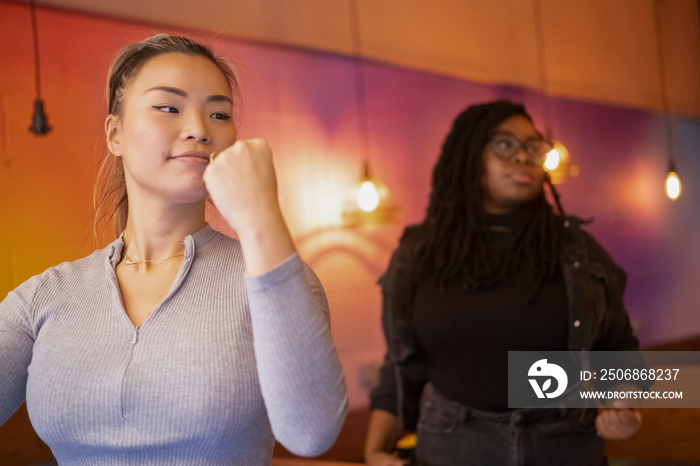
521,177
194,157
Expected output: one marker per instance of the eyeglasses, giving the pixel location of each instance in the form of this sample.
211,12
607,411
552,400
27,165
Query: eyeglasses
505,145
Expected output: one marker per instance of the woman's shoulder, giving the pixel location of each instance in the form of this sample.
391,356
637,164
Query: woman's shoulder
579,229
598,257
218,256
66,274
412,236
406,252
216,244
87,264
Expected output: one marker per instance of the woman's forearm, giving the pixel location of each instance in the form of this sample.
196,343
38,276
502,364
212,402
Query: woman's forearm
383,432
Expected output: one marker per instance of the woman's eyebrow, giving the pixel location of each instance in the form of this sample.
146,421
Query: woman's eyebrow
172,90
180,92
219,98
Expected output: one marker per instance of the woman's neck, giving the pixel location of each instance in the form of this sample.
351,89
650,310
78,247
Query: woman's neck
153,233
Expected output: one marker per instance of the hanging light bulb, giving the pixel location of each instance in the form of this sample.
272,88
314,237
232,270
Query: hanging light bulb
673,186
673,183
553,160
368,203
558,164
367,196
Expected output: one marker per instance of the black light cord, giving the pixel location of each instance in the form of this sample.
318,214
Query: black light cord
663,85
360,93
39,125
35,34
542,65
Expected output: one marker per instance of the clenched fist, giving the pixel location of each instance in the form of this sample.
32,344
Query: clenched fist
242,184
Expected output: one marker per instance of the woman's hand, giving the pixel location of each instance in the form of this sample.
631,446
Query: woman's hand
384,459
242,184
383,431
618,423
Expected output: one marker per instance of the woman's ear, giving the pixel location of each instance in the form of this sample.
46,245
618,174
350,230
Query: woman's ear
112,133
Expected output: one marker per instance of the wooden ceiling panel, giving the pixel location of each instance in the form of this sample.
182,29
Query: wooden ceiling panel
681,44
595,48
481,39
598,50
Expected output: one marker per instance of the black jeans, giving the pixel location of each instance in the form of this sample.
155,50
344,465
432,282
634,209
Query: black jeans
451,434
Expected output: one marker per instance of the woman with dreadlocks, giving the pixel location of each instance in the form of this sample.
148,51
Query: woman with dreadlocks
493,268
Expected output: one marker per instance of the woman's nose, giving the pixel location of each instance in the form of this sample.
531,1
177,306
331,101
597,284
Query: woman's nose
521,156
196,128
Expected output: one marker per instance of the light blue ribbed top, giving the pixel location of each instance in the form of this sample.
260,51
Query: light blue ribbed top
224,365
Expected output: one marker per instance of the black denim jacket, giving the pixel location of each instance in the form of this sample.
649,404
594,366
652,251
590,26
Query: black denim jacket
597,317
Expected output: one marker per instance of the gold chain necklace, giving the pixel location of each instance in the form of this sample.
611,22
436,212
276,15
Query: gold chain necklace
128,261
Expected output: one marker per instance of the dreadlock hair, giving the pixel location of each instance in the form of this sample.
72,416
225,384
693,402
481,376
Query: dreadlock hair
454,244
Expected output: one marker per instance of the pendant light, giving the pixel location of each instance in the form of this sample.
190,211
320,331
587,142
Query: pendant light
557,164
40,124
369,202
672,183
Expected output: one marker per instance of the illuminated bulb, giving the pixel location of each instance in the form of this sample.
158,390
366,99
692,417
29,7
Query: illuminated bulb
552,160
673,186
368,203
367,196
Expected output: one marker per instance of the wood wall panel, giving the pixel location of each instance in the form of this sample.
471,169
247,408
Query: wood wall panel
597,50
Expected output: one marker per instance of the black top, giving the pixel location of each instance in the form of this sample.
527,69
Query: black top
465,336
